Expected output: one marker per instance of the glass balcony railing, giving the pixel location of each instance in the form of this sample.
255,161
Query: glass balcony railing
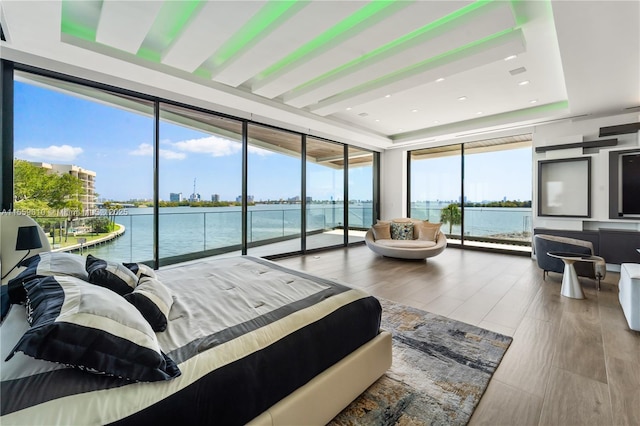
195,232
509,225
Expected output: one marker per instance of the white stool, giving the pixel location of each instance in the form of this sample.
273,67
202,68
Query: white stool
629,287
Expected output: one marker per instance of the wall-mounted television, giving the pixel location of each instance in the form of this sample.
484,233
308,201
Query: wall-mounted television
630,185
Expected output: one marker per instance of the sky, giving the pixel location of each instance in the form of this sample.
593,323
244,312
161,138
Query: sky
118,145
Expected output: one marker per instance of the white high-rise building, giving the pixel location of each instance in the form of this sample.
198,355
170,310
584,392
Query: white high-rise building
87,177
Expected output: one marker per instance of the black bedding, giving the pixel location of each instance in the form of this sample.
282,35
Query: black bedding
244,332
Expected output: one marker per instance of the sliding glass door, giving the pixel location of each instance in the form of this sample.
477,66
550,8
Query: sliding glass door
497,189
360,207
200,184
274,217
325,193
435,187
492,208
83,166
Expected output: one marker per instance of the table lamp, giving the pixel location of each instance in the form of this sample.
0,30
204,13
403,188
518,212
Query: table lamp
28,239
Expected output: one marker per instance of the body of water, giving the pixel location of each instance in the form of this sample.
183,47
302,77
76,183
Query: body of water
185,230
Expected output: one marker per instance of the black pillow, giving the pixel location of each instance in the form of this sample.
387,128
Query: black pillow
91,328
44,265
153,299
112,275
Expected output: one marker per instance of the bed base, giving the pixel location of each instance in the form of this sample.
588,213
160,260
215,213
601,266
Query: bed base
320,400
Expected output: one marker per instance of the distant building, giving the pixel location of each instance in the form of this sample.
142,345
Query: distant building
87,177
175,196
194,198
249,199
215,198
309,199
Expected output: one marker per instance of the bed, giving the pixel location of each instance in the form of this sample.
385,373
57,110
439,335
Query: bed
246,341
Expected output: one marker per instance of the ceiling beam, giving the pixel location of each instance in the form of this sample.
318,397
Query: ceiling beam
125,24
476,54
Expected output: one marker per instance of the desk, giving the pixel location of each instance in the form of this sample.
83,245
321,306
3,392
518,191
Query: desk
570,284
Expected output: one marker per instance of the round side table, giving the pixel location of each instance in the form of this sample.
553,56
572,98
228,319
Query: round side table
571,286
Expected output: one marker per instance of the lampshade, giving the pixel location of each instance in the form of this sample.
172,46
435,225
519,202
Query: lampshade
28,238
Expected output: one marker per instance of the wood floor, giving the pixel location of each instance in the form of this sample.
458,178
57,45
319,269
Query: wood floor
572,362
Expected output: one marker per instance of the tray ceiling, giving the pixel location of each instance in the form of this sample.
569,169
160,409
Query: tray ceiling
393,71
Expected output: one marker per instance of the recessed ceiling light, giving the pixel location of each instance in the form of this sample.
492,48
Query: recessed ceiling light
533,101
387,96
508,58
435,121
462,98
400,130
523,83
377,120
441,79
349,108
414,110
479,112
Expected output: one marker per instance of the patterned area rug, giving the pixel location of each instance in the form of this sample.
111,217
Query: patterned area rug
441,368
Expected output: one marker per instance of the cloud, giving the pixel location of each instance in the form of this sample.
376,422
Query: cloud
172,155
145,149
53,153
259,151
210,145
213,145
216,147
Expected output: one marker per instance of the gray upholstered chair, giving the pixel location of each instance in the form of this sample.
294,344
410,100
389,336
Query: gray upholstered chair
542,244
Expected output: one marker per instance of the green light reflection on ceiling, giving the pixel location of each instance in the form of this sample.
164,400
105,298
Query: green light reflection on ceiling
149,54
398,42
173,17
70,21
260,22
346,24
450,55
182,16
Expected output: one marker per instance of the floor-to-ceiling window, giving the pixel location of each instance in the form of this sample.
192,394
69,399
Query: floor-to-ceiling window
325,193
124,156
492,208
79,169
200,182
436,187
497,191
360,207
273,190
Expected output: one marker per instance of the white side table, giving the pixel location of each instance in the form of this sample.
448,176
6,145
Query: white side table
571,286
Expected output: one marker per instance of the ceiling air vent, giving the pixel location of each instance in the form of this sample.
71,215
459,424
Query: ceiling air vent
518,71
363,114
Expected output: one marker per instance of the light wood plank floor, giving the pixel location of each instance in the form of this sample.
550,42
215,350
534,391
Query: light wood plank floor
572,362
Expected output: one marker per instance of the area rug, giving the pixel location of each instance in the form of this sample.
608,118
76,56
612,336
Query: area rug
441,368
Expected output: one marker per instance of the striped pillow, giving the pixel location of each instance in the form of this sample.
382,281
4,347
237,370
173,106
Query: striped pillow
43,265
153,299
91,328
112,275
140,270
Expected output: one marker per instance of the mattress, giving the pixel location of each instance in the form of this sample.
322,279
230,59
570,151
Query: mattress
244,332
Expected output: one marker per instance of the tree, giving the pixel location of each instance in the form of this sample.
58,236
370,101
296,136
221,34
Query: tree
37,189
99,225
451,215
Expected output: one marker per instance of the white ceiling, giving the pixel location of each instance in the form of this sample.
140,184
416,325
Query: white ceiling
355,71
